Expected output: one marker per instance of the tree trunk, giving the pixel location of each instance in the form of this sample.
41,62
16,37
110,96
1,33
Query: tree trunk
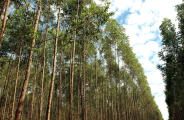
24,89
32,100
43,74
72,74
90,88
54,69
61,83
2,9
96,82
119,104
17,75
4,23
7,89
60,88
78,97
84,81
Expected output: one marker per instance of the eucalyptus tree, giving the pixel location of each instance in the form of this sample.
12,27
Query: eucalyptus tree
172,55
94,74
4,21
12,42
54,67
22,97
2,6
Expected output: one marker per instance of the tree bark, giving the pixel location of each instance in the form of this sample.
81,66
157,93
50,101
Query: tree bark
10,78
60,88
24,89
4,4
17,75
61,82
84,81
32,100
90,88
43,74
78,97
54,69
96,82
72,75
4,23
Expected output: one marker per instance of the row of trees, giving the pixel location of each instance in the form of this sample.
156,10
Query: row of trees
77,64
172,53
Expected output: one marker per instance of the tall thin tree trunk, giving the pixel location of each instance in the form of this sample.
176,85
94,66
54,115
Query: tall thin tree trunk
2,9
17,75
43,74
4,23
103,100
71,52
54,69
90,88
78,96
96,82
72,75
7,89
24,89
106,96
32,100
84,81
61,83
119,103
116,86
60,88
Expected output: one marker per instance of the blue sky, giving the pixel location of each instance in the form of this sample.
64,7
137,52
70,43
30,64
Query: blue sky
142,19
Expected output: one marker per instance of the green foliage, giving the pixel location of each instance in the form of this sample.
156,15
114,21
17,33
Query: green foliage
172,70
115,84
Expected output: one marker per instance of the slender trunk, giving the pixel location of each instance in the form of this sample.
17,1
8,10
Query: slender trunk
2,9
61,83
4,22
24,89
108,104
90,88
84,81
60,88
32,100
6,82
8,111
54,69
17,75
119,103
106,98
78,97
102,99
71,52
110,73
72,76
116,86
20,85
7,89
96,82
43,74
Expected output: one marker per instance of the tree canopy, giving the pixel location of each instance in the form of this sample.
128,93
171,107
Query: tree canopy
70,60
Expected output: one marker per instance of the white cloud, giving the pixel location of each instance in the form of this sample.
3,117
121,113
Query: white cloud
139,35
154,77
146,50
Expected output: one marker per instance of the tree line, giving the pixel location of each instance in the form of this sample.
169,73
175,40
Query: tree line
69,60
172,54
